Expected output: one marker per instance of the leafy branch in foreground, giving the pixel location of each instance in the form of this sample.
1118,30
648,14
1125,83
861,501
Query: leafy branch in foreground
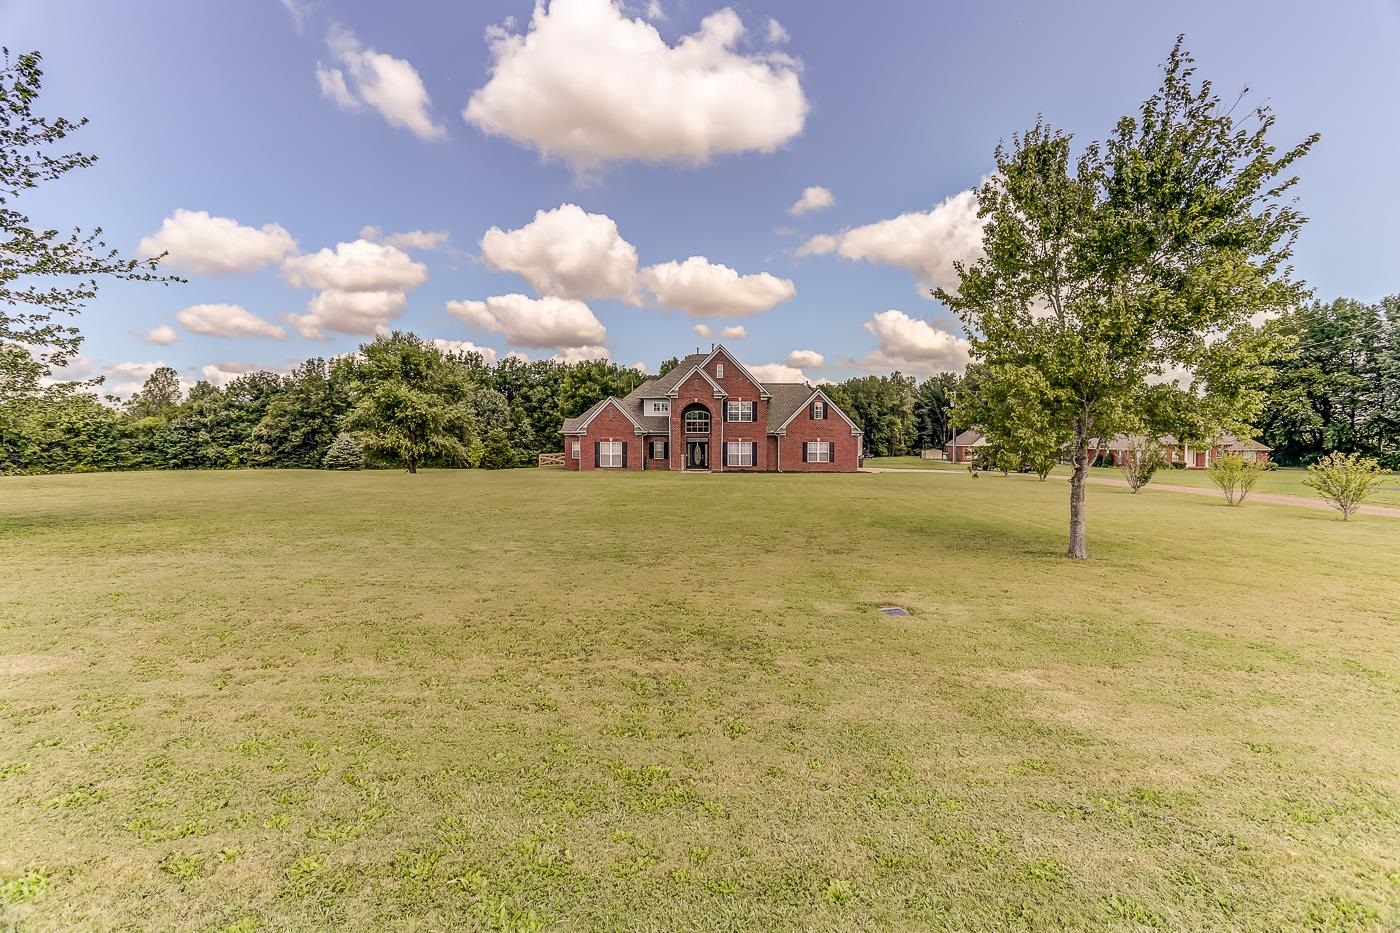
31,257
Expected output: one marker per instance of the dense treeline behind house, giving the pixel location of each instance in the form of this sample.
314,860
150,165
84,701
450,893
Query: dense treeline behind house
1338,391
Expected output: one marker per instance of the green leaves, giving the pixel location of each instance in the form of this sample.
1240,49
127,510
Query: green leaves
1144,260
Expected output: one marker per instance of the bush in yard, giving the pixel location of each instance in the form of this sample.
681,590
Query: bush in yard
344,453
1235,476
497,452
1344,480
1141,460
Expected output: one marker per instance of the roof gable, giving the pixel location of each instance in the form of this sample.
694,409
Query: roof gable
720,349
808,401
676,389
583,421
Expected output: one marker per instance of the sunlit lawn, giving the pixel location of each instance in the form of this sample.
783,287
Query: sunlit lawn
296,700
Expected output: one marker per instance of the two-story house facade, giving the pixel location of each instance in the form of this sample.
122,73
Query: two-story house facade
709,413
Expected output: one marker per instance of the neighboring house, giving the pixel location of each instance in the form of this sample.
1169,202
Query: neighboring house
1195,458
963,446
711,414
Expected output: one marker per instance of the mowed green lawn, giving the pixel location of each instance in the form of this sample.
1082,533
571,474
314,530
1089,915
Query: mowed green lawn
526,700
1284,481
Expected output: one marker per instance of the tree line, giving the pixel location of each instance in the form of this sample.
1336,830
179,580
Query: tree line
407,403
1334,387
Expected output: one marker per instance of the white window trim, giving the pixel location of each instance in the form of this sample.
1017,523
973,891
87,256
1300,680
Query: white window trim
819,410
685,422
610,455
658,450
719,370
736,452
575,450
738,410
819,451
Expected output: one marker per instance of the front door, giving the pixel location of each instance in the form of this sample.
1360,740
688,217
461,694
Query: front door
697,455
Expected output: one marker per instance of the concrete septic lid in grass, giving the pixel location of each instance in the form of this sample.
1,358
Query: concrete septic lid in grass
895,611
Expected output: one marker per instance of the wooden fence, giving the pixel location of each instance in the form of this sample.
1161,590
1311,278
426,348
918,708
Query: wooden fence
552,460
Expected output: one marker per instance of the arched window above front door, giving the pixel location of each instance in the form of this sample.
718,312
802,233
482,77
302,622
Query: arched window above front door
697,420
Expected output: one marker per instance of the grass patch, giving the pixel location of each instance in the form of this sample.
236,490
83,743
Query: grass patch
534,700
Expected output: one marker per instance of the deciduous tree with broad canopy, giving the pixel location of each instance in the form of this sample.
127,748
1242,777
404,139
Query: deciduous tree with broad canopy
1144,258
411,404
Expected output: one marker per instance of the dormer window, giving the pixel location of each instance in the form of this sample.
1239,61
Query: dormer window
719,370
658,406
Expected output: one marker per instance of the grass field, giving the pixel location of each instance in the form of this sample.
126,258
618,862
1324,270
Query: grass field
534,700
1285,481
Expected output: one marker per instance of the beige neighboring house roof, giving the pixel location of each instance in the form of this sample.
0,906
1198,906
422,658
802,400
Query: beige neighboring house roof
1227,441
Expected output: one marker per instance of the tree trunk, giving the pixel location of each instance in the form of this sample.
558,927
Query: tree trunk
412,464
1078,547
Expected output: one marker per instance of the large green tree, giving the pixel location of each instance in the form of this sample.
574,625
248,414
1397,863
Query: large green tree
883,407
1340,389
412,404
1144,258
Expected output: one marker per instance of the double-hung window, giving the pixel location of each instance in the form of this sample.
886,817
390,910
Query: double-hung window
610,454
819,451
719,370
819,410
738,411
738,453
575,450
658,450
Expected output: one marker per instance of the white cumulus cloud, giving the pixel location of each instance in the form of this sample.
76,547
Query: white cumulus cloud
581,354
408,239
488,355
566,252
913,346
210,245
734,332
819,245
702,330
162,334
348,312
778,372
533,322
809,359
925,243
224,320
356,266
125,379
220,375
814,198
590,85
388,84
705,289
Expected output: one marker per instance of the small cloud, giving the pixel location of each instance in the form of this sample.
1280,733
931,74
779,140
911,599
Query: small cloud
814,198
735,332
162,335
702,330
777,35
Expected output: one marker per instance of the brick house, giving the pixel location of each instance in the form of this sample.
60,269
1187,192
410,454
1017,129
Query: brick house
709,413
1194,458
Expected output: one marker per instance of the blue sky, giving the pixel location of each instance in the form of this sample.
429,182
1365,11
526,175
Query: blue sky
326,118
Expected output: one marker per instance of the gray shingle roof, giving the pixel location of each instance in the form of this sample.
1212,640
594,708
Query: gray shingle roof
786,398
968,438
657,388
571,424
